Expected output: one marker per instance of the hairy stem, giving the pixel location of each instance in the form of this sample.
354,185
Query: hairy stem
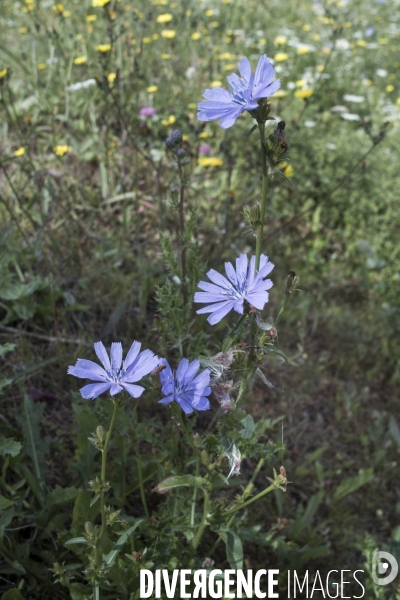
103,483
141,485
182,232
263,196
198,536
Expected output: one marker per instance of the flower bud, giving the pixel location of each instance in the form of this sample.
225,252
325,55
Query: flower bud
89,528
181,153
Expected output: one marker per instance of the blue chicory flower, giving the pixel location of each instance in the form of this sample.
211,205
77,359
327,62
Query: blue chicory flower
242,284
184,386
246,90
116,375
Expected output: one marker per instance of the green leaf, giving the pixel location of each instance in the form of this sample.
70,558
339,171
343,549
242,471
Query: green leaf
4,348
234,334
247,427
5,502
94,500
251,130
9,446
60,496
77,540
111,556
394,430
13,594
352,484
234,548
178,481
36,446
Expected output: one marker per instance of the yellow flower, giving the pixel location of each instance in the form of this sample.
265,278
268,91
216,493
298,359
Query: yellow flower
155,36
170,121
192,105
196,35
320,68
316,36
80,60
390,88
160,2
164,18
361,43
214,24
111,77
326,50
165,56
216,83
303,50
306,27
58,8
61,149
398,101
280,40
280,94
66,14
203,134
262,42
168,33
225,56
3,73
210,12
288,171
303,94
230,67
210,162
103,48
97,3
300,83
20,151
41,66
152,88
383,41
146,40
281,56
90,18
22,30
185,138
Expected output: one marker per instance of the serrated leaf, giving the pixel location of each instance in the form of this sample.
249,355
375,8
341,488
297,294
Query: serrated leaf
247,427
9,446
4,348
352,484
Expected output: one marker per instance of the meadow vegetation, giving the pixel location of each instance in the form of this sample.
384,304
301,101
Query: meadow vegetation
90,250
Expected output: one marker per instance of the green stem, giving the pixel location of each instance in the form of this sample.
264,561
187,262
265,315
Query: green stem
203,523
260,495
263,196
193,511
260,227
103,482
141,486
256,472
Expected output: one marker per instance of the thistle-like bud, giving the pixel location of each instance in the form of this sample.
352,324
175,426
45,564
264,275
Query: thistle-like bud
174,140
181,153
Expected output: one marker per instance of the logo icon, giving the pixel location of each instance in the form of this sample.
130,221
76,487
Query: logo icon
380,562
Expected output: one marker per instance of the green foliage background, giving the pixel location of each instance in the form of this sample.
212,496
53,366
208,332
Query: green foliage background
85,208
